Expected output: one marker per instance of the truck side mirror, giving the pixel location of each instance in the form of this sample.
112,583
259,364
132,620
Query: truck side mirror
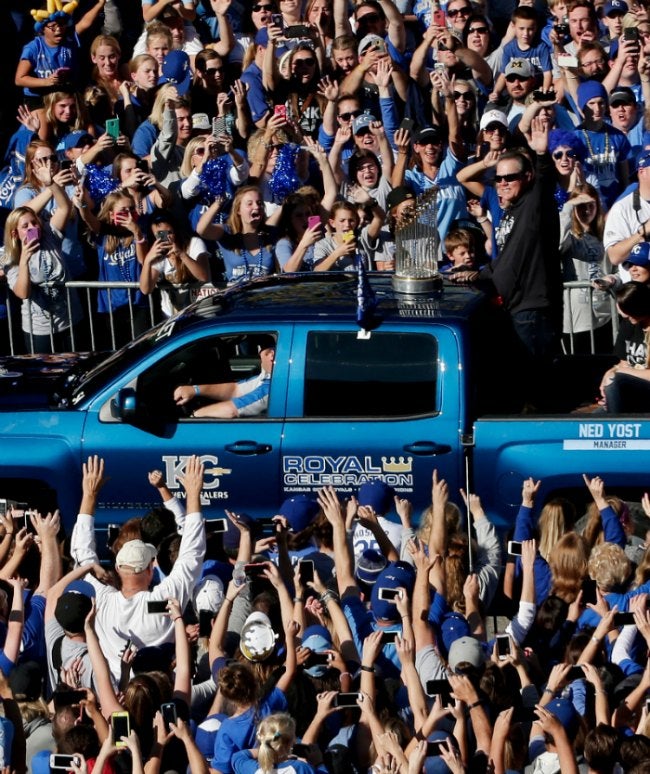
124,405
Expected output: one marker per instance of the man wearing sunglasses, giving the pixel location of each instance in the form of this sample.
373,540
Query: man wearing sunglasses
526,273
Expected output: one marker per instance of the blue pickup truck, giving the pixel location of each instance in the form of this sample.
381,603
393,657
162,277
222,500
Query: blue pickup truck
433,385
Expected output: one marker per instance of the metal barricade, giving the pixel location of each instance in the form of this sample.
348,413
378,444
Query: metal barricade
568,309
87,329
88,290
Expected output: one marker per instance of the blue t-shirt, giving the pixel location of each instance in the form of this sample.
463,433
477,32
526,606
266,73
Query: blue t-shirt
121,265
603,151
238,733
240,264
452,204
144,138
45,60
244,763
539,56
256,94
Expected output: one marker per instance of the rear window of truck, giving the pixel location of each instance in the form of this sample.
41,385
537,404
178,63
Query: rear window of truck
387,375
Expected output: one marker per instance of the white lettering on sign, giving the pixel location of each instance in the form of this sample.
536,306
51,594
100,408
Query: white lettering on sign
607,435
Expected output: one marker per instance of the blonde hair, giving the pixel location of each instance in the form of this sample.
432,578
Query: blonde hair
568,563
157,29
593,531
113,241
12,243
553,523
609,566
276,735
452,520
156,117
51,99
643,569
139,60
234,219
192,145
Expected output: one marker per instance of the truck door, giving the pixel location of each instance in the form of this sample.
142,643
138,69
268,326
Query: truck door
376,407
241,456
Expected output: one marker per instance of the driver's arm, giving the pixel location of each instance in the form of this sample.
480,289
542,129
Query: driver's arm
222,391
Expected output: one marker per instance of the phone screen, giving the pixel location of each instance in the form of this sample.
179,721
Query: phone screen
211,525
205,622
503,645
157,606
168,712
346,699
306,571
121,727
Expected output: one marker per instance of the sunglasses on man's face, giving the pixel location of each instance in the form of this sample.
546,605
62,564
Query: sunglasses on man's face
350,115
258,8
478,31
509,177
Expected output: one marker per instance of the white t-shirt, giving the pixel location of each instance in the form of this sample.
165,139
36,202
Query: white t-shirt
363,539
172,300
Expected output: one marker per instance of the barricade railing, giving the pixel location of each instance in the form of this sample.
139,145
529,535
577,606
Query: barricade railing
87,330
568,313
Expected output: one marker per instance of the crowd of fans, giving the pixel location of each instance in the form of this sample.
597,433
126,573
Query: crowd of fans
333,637
203,141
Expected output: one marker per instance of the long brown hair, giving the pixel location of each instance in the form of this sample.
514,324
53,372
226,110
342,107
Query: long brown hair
31,180
13,245
597,225
568,563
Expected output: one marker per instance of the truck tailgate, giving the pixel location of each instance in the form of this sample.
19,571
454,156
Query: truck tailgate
557,450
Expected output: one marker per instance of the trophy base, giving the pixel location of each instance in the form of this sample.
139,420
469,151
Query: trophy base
428,284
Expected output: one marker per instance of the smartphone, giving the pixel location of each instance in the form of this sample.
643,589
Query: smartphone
568,60
514,548
33,234
623,619
300,750
407,123
388,595
306,569
67,698
575,673
503,646
631,33
433,748
437,688
142,165
439,18
314,221
348,236
219,126
543,96
157,606
266,526
277,20
168,712
205,622
280,110
121,725
255,570
317,659
61,762
346,699
297,31
65,165
388,638
112,531
3,507
647,706
113,127
211,525
589,596
440,67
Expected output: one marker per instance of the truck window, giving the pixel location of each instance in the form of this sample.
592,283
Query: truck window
387,375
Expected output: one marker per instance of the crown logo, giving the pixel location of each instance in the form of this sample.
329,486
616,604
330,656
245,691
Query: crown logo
394,465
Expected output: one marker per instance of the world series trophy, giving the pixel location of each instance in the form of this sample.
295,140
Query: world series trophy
417,245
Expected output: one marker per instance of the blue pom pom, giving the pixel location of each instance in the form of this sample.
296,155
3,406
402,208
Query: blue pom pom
214,177
99,182
284,180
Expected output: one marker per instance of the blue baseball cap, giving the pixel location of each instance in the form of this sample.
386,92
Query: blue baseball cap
396,575
77,139
615,7
299,510
644,160
176,71
639,256
377,494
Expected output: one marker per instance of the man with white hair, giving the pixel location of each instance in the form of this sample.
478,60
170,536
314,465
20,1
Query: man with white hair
123,614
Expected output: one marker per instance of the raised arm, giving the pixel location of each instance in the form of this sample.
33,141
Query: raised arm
329,502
